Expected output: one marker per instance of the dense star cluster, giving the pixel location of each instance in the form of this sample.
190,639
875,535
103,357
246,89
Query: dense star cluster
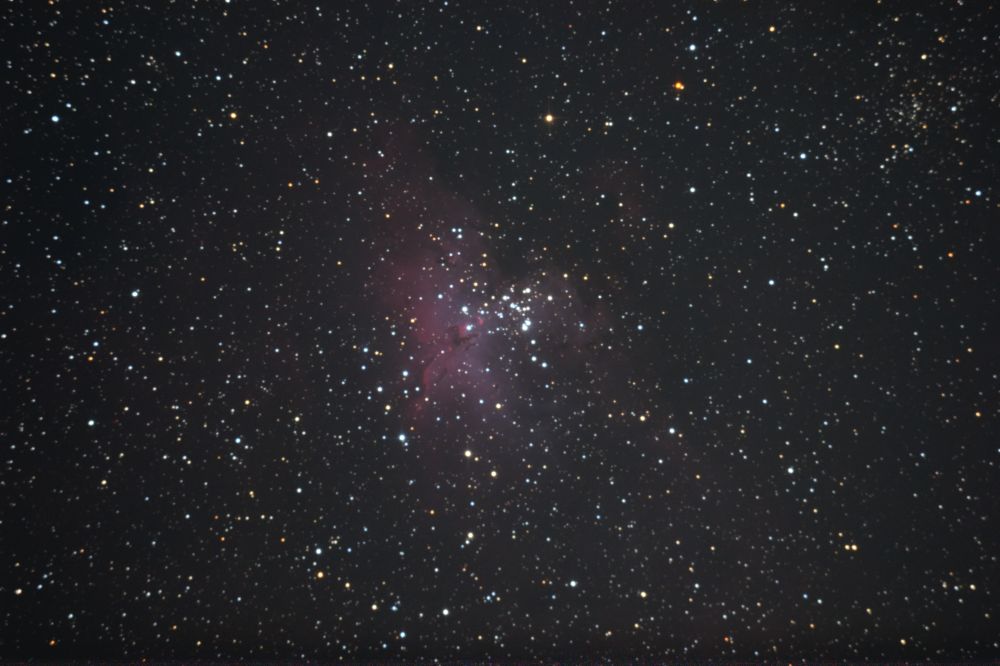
500,330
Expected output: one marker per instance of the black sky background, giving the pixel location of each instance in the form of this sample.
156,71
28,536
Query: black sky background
725,383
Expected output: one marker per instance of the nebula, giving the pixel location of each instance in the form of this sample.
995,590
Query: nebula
479,335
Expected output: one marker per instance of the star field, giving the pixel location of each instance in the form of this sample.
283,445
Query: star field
504,331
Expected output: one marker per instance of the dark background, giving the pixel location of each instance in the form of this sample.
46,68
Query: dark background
756,420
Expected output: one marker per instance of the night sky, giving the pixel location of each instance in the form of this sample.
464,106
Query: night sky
500,330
